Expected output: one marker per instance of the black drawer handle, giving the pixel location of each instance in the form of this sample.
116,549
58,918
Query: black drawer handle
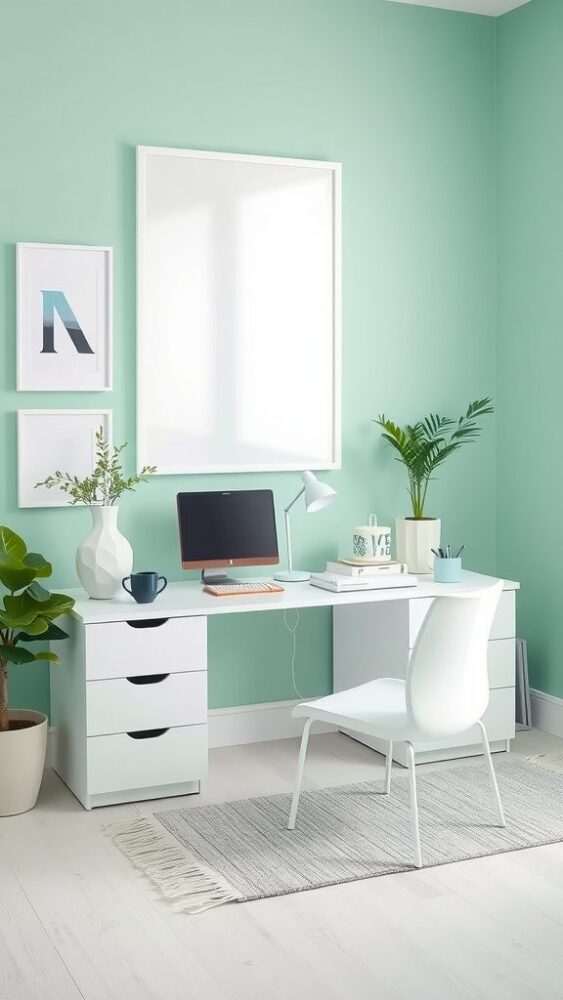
148,679
147,623
147,734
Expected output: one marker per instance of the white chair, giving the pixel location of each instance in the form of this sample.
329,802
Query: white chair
446,692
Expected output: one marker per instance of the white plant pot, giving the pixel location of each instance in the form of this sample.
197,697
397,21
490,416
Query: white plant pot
105,556
415,540
22,760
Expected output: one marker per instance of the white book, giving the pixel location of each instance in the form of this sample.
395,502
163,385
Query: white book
347,584
374,569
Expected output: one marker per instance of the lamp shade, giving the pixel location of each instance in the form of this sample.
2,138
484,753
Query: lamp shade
317,494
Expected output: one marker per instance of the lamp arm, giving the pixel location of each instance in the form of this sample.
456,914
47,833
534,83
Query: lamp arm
287,528
295,499
288,541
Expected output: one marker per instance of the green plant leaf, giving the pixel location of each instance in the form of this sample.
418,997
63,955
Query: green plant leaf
38,592
38,627
39,564
12,547
18,621
53,634
19,605
16,654
46,654
15,577
58,604
23,608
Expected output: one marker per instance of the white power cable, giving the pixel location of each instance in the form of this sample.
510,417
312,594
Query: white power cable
292,629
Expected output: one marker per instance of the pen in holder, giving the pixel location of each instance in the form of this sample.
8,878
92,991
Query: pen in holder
447,568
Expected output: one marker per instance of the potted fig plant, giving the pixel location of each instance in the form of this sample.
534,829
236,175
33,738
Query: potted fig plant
105,557
27,615
422,448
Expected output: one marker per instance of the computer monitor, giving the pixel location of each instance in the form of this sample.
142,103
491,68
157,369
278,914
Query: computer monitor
227,528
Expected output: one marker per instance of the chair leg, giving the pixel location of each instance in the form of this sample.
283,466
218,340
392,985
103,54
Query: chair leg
414,806
388,766
492,775
299,776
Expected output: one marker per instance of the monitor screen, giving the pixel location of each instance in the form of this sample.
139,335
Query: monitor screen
227,528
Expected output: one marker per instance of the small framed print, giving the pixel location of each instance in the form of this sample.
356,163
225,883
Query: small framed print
64,317
56,440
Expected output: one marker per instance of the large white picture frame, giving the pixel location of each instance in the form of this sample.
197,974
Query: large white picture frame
52,440
64,317
238,312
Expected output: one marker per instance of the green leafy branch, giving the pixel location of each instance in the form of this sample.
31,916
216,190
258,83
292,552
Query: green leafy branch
423,447
106,483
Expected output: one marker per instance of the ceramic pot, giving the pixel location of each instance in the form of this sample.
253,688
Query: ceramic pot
415,539
105,556
22,760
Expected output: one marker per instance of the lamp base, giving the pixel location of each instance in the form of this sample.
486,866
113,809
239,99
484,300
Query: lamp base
293,576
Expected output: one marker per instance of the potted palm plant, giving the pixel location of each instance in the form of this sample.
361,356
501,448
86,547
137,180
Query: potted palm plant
27,615
105,557
422,448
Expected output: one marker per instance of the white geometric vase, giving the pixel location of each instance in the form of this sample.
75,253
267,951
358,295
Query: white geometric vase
414,539
104,557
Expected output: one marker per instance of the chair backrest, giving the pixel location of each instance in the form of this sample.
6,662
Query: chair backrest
447,679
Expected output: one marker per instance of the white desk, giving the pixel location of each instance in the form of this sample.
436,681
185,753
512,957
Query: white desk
129,700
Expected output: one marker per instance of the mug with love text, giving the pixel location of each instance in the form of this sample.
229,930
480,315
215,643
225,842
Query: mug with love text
372,541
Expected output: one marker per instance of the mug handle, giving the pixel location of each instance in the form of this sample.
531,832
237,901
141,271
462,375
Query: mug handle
164,584
123,582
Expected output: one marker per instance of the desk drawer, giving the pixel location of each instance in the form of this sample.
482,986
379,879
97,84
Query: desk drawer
119,762
504,623
502,663
117,706
153,646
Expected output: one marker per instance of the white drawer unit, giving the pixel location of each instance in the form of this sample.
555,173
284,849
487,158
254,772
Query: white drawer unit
129,704
502,663
146,702
146,646
146,758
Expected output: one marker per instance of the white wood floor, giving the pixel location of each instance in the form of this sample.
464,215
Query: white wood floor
77,922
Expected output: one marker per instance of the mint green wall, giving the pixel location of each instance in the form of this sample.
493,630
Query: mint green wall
404,97
530,327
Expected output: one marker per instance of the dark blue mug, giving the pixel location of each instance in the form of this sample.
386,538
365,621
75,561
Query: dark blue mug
144,586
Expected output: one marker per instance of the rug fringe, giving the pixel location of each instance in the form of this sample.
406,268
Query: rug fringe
178,875
549,761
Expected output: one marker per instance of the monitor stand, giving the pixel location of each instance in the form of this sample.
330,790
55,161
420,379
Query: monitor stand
216,576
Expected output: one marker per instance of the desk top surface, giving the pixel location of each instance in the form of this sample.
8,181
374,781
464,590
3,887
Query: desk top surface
188,599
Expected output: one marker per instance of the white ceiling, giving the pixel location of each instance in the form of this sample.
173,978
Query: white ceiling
491,7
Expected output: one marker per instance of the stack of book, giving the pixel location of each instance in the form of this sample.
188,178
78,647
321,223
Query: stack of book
350,574
360,567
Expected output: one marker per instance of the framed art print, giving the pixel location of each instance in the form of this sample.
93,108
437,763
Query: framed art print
64,310
53,440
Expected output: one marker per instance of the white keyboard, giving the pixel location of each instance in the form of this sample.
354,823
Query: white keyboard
236,589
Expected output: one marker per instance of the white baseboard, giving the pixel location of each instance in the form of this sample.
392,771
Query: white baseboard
229,727
547,712
256,723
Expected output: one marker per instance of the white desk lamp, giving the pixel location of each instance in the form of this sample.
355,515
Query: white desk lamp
317,496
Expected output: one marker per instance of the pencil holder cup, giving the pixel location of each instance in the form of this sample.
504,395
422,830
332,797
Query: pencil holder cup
447,570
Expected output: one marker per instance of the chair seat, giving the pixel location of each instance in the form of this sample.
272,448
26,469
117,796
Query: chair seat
378,708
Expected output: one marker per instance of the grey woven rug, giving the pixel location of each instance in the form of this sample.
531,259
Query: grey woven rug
242,850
